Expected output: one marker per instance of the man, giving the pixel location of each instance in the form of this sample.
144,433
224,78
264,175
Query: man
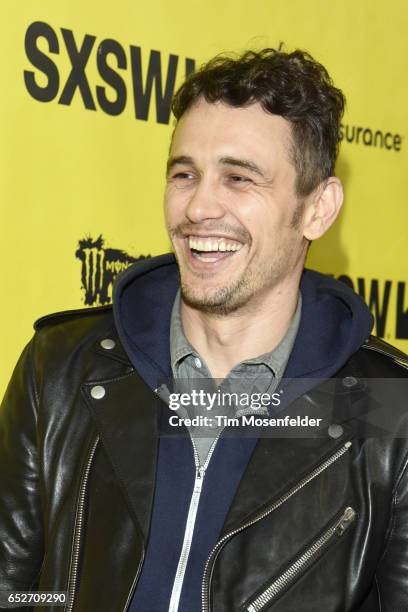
97,503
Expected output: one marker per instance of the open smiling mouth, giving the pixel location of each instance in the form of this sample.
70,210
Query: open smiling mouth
210,249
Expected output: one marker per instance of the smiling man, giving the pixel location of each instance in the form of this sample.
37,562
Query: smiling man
239,226
103,502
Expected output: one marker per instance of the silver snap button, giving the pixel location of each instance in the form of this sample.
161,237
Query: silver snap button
197,362
350,381
98,392
108,344
335,431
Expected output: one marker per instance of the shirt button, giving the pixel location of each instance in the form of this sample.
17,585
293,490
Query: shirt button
197,362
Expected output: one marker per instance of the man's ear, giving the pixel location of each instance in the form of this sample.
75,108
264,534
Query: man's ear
323,207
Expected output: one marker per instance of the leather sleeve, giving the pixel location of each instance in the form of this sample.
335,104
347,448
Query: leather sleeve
21,534
392,572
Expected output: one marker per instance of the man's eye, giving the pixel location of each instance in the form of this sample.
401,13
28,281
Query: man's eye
181,180
238,178
182,176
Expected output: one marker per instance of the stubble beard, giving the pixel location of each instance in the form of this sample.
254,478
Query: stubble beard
242,293
239,295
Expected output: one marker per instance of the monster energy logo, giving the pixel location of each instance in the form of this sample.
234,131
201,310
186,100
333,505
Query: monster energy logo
100,266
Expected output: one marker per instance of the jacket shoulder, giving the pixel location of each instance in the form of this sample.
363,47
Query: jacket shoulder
64,316
380,347
70,336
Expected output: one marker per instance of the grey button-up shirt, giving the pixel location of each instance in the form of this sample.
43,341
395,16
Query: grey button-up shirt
262,374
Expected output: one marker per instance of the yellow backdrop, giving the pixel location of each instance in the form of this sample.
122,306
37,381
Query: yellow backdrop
85,131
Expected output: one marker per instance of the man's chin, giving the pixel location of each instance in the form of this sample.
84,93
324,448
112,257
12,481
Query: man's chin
216,301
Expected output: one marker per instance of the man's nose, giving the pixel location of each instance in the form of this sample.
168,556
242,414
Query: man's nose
205,202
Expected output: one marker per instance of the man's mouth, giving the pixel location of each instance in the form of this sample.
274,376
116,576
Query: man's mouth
210,249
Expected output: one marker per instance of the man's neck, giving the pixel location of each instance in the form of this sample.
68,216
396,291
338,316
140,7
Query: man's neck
223,341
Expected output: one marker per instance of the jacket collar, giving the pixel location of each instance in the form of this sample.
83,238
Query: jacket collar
126,420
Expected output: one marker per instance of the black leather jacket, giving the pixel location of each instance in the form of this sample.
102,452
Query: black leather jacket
317,525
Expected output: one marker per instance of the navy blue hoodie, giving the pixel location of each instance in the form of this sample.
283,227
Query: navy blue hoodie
334,323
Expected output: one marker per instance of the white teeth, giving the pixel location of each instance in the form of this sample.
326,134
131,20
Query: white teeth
206,259
212,244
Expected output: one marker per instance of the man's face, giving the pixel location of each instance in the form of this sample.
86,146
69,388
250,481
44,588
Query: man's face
230,205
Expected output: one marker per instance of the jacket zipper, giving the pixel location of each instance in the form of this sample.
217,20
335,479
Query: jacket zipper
205,591
289,575
79,519
190,524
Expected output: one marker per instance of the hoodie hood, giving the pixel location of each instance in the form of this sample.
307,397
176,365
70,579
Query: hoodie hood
334,323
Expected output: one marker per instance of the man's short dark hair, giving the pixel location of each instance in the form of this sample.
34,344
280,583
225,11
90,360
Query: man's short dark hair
292,85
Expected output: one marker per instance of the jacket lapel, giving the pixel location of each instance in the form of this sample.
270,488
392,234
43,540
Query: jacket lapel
125,412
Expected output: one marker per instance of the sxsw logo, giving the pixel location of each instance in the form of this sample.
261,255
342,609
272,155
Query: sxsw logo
156,76
377,297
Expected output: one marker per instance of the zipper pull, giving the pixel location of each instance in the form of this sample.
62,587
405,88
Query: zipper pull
345,521
199,478
164,393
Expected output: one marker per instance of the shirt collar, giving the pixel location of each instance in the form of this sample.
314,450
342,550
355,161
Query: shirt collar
275,360
179,345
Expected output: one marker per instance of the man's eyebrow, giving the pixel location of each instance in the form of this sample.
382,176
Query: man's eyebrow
226,161
179,159
242,163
